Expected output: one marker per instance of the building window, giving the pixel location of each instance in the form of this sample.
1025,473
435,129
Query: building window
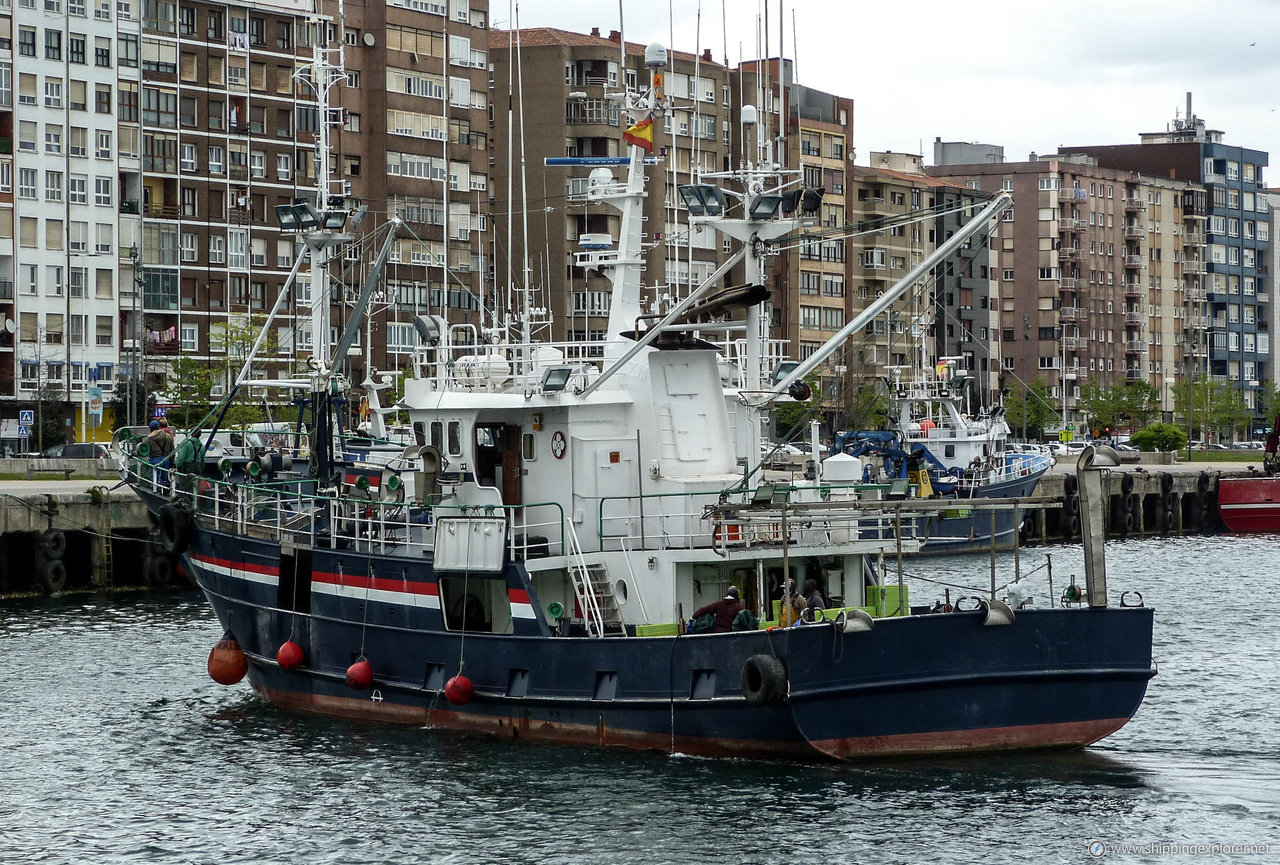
53,44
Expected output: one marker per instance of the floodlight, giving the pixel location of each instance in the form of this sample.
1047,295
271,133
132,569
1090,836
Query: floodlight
335,220
703,199
692,200
812,200
765,205
286,216
306,215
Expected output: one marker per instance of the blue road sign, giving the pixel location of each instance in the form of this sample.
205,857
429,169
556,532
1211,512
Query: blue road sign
24,432
26,417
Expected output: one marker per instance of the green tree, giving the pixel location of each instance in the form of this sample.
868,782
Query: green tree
1227,411
1160,437
190,382
1131,405
790,419
1036,410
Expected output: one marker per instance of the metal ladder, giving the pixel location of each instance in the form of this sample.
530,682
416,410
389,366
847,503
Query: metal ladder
594,591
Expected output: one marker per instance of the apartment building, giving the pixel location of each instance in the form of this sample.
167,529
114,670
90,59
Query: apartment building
559,81
810,132
150,145
1237,303
415,144
1096,268
58,197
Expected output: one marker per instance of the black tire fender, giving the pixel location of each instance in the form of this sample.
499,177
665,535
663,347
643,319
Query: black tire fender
764,680
53,544
159,572
175,529
53,574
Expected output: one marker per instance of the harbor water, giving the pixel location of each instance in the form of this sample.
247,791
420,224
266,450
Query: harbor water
116,747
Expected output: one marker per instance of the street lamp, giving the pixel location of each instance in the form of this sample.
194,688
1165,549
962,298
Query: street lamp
1168,393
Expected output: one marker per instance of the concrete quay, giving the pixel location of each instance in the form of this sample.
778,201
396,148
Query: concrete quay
74,535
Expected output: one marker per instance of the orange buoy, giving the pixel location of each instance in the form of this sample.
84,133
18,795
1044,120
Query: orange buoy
289,656
459,690
360,675
227,663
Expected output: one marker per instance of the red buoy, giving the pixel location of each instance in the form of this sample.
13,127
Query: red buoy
360,675
459,690
227,663
289,656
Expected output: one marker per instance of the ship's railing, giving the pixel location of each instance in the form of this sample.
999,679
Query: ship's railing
765,516
291,509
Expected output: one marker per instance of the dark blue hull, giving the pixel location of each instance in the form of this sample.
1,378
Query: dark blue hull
919,684
964,530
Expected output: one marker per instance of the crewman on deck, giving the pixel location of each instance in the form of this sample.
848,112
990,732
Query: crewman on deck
726,610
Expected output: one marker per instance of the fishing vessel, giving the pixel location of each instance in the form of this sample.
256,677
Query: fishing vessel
1252,504
943,450
527,567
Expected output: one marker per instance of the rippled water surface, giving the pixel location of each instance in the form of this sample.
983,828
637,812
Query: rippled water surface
116,747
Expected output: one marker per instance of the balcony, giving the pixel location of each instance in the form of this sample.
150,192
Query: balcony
1133,374
1193,238
1197,322
1071,373
1192,265
1070,313
130,205
1134,290
1264,298
1069,283
1070,194
1194,295
1135,346
1135,318
6,289
1133,261
1133,231
1071,343
1070,223
1134,204
1071,253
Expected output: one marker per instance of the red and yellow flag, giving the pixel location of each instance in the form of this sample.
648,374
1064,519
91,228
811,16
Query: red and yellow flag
641,135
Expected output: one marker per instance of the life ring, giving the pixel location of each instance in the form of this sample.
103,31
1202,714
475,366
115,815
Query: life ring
159,572
1073,506
764,680
1071,484
1132,502
1074,525
1166,483
53,574
1126,484
1127,522
175,529
53,544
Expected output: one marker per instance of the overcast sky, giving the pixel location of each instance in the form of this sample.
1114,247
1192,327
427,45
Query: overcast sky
1028,76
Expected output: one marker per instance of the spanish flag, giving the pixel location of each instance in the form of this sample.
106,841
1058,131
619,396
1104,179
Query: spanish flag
641,135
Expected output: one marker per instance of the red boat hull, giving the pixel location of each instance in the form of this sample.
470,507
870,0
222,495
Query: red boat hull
1250,504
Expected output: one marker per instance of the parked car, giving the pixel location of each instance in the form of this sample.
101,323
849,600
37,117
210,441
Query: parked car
80,451
1126,448
1216,446
1246,446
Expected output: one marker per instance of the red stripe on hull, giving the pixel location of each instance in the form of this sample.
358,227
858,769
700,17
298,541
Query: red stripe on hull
1074,734
1038,736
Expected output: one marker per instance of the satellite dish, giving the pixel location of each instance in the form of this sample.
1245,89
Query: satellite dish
9,325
